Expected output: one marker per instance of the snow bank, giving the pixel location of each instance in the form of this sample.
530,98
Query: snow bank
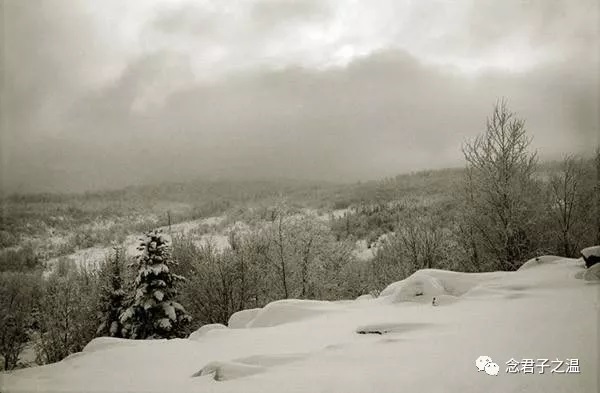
540,313
591,255
367,296
240,319
291,310
539,261
205,329
102,343
424,285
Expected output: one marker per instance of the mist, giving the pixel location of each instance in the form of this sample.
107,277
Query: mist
103,95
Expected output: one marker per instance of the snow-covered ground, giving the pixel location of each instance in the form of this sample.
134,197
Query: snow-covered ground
398,342
93,256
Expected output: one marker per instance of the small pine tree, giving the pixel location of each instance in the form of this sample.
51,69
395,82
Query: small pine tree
112,296
154,313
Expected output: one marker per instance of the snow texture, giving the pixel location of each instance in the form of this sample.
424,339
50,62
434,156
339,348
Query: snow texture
205,329
548,310
240,319
539,260
291,310
591,251
591,255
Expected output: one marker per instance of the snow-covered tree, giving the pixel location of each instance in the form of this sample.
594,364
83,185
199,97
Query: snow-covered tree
67,314
19,294
503,188
570,207
154,312
112,296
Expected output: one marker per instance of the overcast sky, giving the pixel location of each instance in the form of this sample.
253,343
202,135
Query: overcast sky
109,93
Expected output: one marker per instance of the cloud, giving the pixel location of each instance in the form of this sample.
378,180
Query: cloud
306,89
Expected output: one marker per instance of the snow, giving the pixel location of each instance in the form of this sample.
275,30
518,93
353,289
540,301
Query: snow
362,251
428,283
102,343
91,257
290,310
591,256
591,251
203,330
367,296
223,371
539,260
241,319
591,274
365,252
545,311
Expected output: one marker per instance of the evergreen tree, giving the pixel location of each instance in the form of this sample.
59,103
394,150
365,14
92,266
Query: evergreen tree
154,313
112,296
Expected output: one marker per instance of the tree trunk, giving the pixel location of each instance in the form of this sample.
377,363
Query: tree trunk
282,258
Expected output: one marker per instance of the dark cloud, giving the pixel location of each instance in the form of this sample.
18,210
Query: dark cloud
386,112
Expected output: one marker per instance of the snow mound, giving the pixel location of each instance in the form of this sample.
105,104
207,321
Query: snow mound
425,284
591,255
417,288
225,371
240,319
291,310
591,251
368,296
205,329
546,259
102,343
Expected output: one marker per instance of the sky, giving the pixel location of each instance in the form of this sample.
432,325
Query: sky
105,94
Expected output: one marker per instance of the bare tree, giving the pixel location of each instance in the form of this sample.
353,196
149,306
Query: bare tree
502,187
280,239
465,225
18,297
569,204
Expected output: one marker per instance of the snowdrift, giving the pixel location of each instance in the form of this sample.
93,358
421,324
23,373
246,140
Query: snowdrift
203,330
396,342
241,319
591,255
290,310
426,284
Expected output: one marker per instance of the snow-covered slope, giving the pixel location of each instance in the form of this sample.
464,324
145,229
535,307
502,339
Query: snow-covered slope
398,342
92,257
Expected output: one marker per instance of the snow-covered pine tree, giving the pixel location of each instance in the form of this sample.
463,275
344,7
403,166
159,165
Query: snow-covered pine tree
112,295
154,312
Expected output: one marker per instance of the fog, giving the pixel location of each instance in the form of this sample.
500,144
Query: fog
107,94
